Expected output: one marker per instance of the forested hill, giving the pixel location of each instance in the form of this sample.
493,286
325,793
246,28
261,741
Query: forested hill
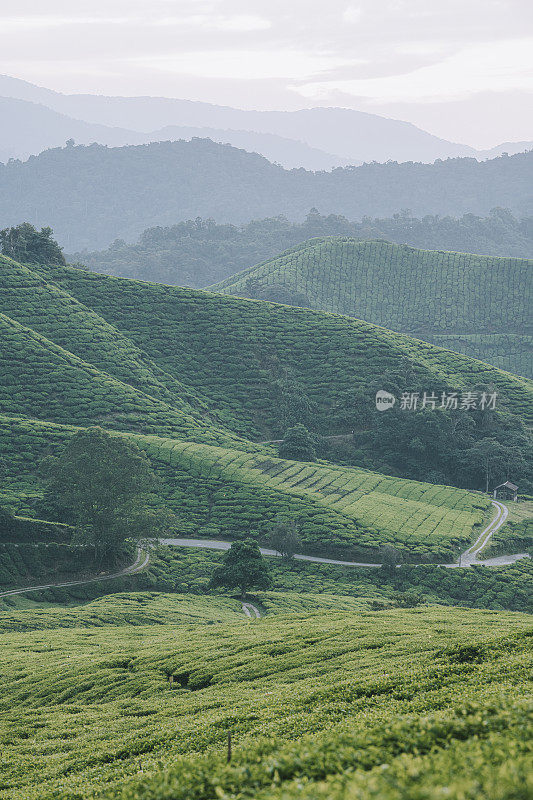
93,195
476,305
200,252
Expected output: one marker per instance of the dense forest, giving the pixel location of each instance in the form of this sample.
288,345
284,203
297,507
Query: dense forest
200,252
92,195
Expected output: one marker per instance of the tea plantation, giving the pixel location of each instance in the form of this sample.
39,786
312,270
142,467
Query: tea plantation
426,702
477,305
351,686
252,359
192,377
220,492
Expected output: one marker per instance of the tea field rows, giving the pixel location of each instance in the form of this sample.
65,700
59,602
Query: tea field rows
252,359
218,492
435,295
88,712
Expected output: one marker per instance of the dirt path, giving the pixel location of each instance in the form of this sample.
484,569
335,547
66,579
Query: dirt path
470,556
251,611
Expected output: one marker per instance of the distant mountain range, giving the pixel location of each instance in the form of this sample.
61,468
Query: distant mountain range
29,128
93,195
35,118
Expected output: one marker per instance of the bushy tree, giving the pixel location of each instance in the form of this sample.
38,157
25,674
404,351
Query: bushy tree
103,481
27,245
298,444
243,567
285,538
489,459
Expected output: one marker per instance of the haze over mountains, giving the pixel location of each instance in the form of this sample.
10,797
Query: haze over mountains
318,138
93,195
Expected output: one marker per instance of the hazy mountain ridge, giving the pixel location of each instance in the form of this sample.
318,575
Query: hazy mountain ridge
29,128
341,135
94,195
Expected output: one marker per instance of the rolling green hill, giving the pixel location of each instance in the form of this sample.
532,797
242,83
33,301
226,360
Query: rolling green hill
244,355
477,305
427,702
199,252
193,377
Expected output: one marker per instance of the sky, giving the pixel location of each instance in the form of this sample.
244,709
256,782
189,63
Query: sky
462,69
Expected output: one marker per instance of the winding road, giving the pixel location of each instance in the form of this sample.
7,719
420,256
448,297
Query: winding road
141,562
467,559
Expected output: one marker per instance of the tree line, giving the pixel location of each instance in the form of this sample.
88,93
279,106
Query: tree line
200,252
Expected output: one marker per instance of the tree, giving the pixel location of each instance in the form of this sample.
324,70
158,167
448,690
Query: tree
488,457
298,444
243,567
7,523
390,558
103,482
26,244
284,538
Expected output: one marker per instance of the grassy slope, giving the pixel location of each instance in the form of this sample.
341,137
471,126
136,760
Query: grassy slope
438,695
478,305
236,352
231,352
222,492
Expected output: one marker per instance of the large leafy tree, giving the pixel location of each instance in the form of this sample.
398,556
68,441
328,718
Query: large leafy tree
298,444
243,567
103,482
26,244
489,459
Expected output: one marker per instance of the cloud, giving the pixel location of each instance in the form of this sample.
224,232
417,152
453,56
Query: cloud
353,14
245,64
494,66
242,23
274,53
26,23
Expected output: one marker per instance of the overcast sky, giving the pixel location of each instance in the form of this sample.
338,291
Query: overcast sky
462,69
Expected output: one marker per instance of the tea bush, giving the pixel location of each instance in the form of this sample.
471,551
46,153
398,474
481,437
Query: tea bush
310,697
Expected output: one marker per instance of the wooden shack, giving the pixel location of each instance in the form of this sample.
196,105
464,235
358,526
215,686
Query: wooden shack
506,491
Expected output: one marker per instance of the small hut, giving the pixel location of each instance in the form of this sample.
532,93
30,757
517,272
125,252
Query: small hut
506,491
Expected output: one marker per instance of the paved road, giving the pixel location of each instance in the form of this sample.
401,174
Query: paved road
141,561
467,559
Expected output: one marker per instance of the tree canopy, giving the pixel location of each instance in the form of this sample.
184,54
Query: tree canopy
298,444
27,245
243,567
103,482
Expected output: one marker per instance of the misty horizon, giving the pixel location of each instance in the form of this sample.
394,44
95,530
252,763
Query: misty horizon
462,72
